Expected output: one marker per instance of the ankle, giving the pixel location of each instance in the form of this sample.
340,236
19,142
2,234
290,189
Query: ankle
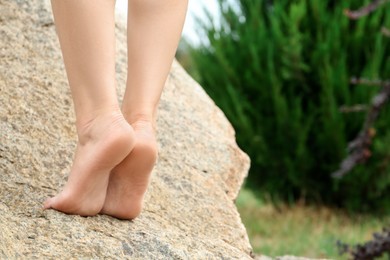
92,128
145,133
141,120
85,117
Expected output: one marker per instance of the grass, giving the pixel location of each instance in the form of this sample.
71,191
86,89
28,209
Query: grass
301,230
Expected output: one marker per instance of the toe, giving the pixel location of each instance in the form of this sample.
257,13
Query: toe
48,203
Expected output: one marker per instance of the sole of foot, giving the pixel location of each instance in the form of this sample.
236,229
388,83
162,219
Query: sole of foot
103,144
130,179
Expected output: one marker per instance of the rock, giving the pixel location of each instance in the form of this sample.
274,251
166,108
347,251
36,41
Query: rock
190,211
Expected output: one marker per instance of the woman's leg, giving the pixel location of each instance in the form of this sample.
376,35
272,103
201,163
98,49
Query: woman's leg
154,29
86,33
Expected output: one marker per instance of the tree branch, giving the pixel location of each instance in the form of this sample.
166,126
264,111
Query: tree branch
364,10
385,31
359,148
370,82
377,247
353,109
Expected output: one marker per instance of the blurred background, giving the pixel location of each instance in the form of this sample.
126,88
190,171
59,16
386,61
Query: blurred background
305,83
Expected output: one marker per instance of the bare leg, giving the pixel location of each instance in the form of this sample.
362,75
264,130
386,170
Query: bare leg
154,29
86,33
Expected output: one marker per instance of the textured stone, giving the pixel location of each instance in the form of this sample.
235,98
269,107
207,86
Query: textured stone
190,211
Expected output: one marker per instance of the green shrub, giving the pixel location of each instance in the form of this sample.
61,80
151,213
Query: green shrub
280,71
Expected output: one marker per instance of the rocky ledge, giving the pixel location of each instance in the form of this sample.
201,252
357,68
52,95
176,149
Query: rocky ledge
190,211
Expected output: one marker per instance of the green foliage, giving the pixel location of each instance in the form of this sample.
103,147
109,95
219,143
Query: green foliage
280,71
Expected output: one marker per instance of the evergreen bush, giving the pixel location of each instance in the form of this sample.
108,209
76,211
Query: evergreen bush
280,70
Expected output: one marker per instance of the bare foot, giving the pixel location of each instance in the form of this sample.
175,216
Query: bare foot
103,143
130,179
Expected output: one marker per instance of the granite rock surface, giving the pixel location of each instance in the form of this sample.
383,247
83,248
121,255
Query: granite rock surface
190,211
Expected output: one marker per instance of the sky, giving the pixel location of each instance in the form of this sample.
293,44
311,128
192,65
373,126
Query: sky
195,9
